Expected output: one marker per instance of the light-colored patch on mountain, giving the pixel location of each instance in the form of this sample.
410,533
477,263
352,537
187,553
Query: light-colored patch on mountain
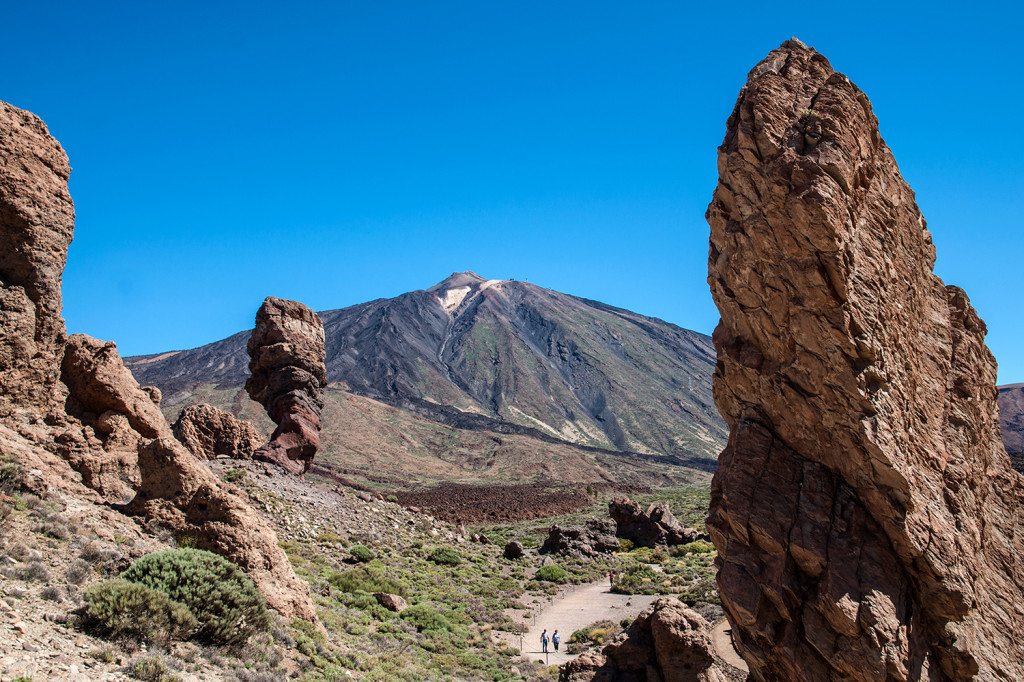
452,298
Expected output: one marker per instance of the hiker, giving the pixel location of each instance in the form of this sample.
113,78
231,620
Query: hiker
611,577
555,639
544,641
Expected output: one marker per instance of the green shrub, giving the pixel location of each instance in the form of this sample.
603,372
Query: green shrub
446,556
12,476
234,475
151,669
125,610
639,579
366,579
227,605
593,634
552,573
698,547
362,553
425,618
625,545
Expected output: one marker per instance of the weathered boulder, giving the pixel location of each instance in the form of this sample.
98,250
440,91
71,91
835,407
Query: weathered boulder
655,526
392,602
37,220
181,494
865,513
666,643
597,536
514,550
209,432
287,376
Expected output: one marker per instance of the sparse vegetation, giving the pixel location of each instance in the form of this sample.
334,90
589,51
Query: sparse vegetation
227,605
125,610
445,556
361,553
552,573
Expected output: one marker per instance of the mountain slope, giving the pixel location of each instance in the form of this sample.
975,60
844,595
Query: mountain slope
499,354
1011,421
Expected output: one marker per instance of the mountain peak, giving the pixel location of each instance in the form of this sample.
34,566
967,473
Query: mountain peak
467,278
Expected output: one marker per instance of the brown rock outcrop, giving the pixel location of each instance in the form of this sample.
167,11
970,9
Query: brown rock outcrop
655,526
867,519
37,220
70,405
181,493
287,376
596,536
210,432
666,643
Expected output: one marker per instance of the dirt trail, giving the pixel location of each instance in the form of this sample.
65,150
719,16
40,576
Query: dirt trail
587,604
721,637
579,608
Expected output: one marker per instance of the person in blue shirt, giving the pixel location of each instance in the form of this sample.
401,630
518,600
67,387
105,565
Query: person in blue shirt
555,639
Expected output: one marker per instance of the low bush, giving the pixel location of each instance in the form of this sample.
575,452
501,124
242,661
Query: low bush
361,553
593,634
698,547
445,556
366,579
638,579
151,669
426,618
12,476
125,610
225,601
552,573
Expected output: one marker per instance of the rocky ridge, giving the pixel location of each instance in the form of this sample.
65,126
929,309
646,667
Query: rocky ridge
75,420
865,512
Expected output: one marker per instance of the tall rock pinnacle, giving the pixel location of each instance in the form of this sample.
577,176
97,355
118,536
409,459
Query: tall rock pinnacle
867,518
287,376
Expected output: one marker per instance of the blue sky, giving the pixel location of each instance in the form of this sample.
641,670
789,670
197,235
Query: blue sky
338,152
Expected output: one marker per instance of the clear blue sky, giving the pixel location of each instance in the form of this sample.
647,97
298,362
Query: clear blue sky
343,151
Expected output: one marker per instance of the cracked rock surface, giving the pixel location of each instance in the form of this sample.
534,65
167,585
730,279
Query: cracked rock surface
287,376
865,511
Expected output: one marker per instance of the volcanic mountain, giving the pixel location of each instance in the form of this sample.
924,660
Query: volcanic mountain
501,357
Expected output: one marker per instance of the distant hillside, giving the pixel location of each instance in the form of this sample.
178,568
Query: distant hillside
504,356
1011,416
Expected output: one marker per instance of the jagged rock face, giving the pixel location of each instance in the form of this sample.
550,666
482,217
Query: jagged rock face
655,526
210,433
287,376
865,512
71,406
595,537
36,224
666,643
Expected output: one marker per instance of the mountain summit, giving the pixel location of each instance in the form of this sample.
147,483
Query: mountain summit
500,354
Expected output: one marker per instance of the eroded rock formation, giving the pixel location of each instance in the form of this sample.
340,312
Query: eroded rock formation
210,432
666,643
287,376
70,411
596,536
867,519
37,220
651,527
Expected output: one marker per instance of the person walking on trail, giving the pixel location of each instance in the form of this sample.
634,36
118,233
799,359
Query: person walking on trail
555,639
544,641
